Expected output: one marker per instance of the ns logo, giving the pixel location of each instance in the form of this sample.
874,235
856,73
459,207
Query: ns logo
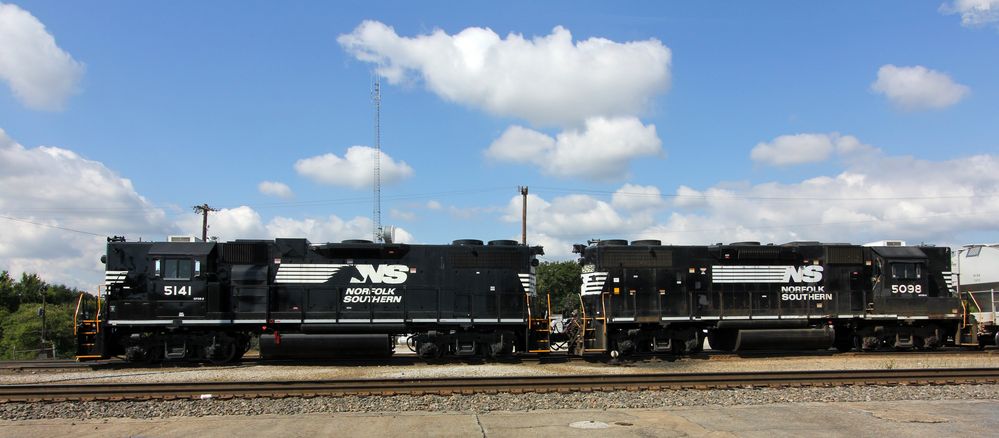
386,274
803,274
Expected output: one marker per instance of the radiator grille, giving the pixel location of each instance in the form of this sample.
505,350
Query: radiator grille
759,252
244,253
488,259
637,259
846,255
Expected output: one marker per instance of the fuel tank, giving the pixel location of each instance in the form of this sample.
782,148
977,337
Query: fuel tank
785,339
325,346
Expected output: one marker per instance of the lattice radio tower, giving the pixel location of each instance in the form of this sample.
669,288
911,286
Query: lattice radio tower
376,215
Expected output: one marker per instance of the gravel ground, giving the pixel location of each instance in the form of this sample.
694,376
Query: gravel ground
252,372
485,403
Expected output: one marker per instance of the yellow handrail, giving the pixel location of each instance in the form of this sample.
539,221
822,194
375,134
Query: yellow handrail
79,300
97,315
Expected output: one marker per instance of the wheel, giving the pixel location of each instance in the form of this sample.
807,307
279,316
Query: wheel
147,353
223,349
429,350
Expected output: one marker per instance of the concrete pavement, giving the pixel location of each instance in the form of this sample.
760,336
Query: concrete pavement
916,418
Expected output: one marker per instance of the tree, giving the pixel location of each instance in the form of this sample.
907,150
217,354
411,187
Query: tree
30,288
561,280
8,295
59,294
22,331
20,323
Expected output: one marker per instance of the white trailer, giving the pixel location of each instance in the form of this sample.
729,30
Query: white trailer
976,275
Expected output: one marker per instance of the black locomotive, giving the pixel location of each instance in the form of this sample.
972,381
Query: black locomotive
654,298
206,300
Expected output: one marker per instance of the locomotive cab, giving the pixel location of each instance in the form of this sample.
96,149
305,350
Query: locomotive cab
904,284
908,286
179,284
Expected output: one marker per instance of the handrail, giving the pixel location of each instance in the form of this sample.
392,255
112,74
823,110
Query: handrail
548,316
76,314
97,315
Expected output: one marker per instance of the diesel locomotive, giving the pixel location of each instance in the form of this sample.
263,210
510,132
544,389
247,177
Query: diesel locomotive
207,300
650,297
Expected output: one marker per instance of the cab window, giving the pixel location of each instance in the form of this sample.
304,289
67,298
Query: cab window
177,269
906,271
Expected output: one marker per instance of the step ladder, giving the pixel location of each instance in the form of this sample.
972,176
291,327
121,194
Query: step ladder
87,326
538,328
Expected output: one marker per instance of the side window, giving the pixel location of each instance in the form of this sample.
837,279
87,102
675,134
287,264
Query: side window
906,271
177,269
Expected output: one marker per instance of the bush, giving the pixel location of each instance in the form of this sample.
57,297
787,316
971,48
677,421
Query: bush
561,280
22,331
20,324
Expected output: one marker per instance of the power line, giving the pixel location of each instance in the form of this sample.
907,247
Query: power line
783,226
289,204
15,219
773,198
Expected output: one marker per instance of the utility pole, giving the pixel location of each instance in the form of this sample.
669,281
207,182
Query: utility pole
523,220
41,312
203,209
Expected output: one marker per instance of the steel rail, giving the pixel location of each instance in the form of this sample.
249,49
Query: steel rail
509,384
411,359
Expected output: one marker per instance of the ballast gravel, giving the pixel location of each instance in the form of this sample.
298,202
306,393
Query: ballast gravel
394,369
479,403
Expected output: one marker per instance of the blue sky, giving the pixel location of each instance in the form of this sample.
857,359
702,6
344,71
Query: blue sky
194,102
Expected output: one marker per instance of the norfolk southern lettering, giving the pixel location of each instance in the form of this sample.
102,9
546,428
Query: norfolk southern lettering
387,274
371,295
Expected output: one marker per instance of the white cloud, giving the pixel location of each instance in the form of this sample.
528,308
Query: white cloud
592,89
545,80
573,219
973,12
355,169
433,205
273,188
330,229
918,88
632,197
807,148
58,188
874,199
226,224
402,215
602,150
245,223
40,74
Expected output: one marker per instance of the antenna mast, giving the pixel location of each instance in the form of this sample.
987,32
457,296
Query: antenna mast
376,215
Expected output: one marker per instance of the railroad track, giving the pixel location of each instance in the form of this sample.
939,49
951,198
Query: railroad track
54,364
412,359
491,385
